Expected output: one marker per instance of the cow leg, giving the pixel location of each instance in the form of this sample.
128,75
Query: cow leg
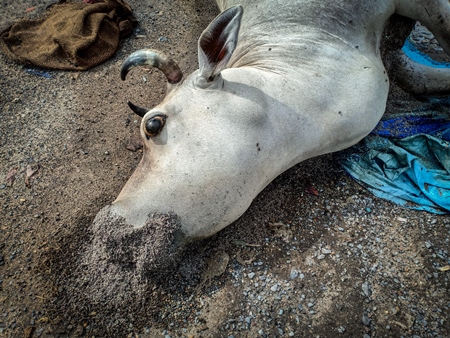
434,14
418,78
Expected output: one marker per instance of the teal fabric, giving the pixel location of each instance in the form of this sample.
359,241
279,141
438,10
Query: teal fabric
413,172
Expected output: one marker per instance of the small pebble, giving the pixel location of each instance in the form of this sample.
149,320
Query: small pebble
367,289
293,274
366,320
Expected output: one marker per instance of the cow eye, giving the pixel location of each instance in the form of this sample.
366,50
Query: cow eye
154,125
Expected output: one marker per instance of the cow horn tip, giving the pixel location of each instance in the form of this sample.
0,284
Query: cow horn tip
138,110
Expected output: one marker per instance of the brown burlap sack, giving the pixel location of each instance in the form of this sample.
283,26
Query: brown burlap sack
71,36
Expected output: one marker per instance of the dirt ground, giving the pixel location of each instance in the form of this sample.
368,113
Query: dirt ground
316,255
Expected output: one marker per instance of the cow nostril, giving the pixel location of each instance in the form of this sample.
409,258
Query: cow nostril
154,125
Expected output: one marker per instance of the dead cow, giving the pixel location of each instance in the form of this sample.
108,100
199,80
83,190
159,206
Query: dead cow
278,82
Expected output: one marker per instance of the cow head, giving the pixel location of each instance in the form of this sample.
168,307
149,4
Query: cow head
200,145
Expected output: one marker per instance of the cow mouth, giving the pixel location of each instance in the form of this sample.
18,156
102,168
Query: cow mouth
142,251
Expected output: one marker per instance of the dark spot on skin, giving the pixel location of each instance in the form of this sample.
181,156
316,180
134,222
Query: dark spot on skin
270,49
350,22
356,46
340,113
257,146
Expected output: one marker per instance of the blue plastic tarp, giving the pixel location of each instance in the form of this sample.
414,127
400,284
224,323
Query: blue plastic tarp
404,125
411,51
413,172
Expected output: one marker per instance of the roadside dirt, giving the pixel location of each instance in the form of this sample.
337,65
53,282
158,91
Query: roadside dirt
316,255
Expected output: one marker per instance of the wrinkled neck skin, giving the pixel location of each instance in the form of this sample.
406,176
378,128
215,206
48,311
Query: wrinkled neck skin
358,23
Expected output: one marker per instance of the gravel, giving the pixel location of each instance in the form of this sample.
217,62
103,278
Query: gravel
339,263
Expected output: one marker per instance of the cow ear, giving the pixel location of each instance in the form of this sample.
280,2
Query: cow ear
218,42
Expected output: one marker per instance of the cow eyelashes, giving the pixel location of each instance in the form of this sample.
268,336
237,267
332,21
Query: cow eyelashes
154,125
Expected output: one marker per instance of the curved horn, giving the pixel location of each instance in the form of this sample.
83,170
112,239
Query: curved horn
152,58
138,110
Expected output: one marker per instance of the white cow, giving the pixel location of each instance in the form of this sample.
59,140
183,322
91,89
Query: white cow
278,82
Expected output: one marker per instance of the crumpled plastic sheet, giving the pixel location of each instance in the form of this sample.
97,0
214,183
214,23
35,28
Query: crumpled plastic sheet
413,172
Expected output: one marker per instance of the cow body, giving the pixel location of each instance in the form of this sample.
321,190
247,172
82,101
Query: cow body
305,79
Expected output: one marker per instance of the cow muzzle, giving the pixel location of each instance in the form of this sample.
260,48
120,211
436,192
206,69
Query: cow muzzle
145,250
